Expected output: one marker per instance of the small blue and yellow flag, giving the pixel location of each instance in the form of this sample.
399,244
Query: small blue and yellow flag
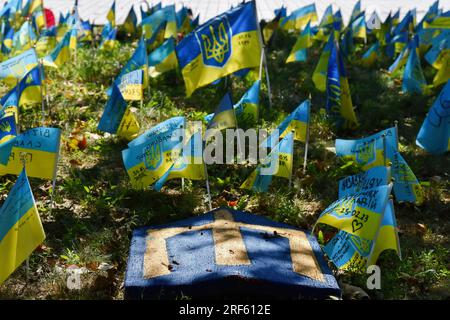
10,104
359,214
413,78
327,18
60,54
110,42
272,25
171,21
21,229
129,126
434,135
114,111
299,18
162,131
46,41
247,109
183,21
153,26
277,163
111,16
131,21
39,148
359,27
137,61
30,87
356,12
8,40
319,76
339,102
131,85
224,116
17,67
8,136
147,162
299,52
442,21
217,48
163,58
372,178
297,122
24,38
371,55
188,165
36,10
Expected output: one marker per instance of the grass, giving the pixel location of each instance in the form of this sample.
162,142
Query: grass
96,209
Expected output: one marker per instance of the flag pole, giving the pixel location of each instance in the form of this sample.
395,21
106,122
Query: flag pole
41,69
263,54
207,186
27,261
396,130
292,166
146,64
307,137
384,149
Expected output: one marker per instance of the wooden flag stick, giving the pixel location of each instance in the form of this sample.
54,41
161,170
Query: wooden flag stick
207,186
267,77
146,64
292,166
261,65
43,87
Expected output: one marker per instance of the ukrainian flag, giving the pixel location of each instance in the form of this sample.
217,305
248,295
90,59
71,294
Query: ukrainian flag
443,73
21,229
40,149
188,165
8,40
131,85
171,21
413,78
299,18
277,163
137,61
368,152
183,21
348,251
359,28
162,131
30,87
297,122
402,58
270,27
327,18
17,67
46,41
338,23
114,111
163,58
359,214
319,76
339,101
247,109
371,55
8,135
110,42
356,12
130,22
73,37
147,162
153,25
223,45
304,41
9,104
59,55
224,116
37,10
111,16
442,21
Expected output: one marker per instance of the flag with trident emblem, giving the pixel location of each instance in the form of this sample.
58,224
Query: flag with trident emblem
223,45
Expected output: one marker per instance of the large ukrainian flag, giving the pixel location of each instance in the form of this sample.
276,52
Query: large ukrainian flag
40,149
21,229
223,45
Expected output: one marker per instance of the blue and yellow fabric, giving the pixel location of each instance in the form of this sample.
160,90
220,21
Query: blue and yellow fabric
297,122
162,131
171,21
114,111
277,163
356,12
219,47
37,11
147,162
372,178
327,18
163,58
359,27
30,87
129,126
319,76
188,165
413,78
359,214
60,54
111,15
39,148
371,55
271,26
131,85
442,21
434,135
8,37
299,52
21,229
10,103
299,18
183,21
339,102
247,109
224,116
110,42
17,67
46,41
153,26
131,21
8,136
